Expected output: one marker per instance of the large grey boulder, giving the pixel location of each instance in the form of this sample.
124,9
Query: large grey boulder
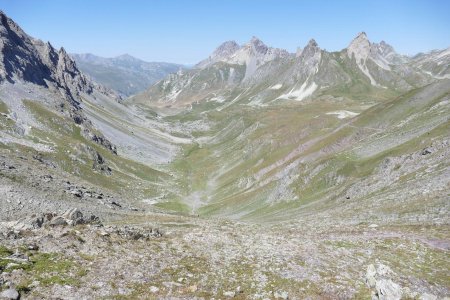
386,289
9,294
383,288
73,216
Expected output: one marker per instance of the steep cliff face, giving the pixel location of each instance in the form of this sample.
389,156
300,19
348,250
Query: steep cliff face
23,58
32,62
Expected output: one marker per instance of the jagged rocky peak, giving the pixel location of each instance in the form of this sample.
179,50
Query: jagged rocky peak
226,49
310,49
360,47
388,53
258,45
23,58
223,52
9,25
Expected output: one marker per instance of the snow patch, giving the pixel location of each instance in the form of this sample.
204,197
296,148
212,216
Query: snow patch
276,86
446,76
343,114
300,94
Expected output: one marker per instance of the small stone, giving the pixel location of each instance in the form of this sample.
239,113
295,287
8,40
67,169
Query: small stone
116,204
104,233
9,294
154,289
281,295
192,288
427,296
58,221
426,151
33,247
229,294
77,193
373,226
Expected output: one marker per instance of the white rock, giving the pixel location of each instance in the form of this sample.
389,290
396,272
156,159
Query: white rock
154,289
427,296
281,295
9,294
388,290
370,276
229,294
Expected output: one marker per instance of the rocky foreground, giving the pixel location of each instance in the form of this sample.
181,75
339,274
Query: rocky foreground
72,256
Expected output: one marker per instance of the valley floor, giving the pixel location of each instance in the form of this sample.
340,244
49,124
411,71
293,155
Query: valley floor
142,254
196,258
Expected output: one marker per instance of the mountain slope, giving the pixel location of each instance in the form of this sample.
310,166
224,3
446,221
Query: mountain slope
125,74
55,115
273,75
256,175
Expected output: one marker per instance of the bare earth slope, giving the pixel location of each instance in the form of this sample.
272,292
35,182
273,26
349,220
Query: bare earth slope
257,175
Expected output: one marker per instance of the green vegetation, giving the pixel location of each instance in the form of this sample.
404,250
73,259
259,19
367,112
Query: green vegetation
73,154
47,268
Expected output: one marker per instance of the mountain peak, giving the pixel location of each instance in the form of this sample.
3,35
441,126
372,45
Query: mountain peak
226,48
361,38
224,51
255,40
312,43
62,51
362,35
258,45
127,58
359,46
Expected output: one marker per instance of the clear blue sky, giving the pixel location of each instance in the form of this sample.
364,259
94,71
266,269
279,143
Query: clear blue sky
186,31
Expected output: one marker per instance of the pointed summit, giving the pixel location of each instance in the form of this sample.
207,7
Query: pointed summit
227,48
310,49
312,43
362,35
256,41
223,52
360,47
257,45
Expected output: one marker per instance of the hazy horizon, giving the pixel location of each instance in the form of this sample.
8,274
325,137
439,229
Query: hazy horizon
185,33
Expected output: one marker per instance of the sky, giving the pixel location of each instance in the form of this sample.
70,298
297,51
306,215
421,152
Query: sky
187,31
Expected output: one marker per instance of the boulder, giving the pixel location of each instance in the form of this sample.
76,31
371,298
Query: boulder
383,287
73,216
386,289
370,276
58,221
9,294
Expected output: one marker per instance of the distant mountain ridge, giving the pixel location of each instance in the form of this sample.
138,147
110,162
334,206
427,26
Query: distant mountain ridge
273,73
125,74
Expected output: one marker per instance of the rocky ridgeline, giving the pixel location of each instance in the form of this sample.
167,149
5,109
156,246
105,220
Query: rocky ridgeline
70,217
25,59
